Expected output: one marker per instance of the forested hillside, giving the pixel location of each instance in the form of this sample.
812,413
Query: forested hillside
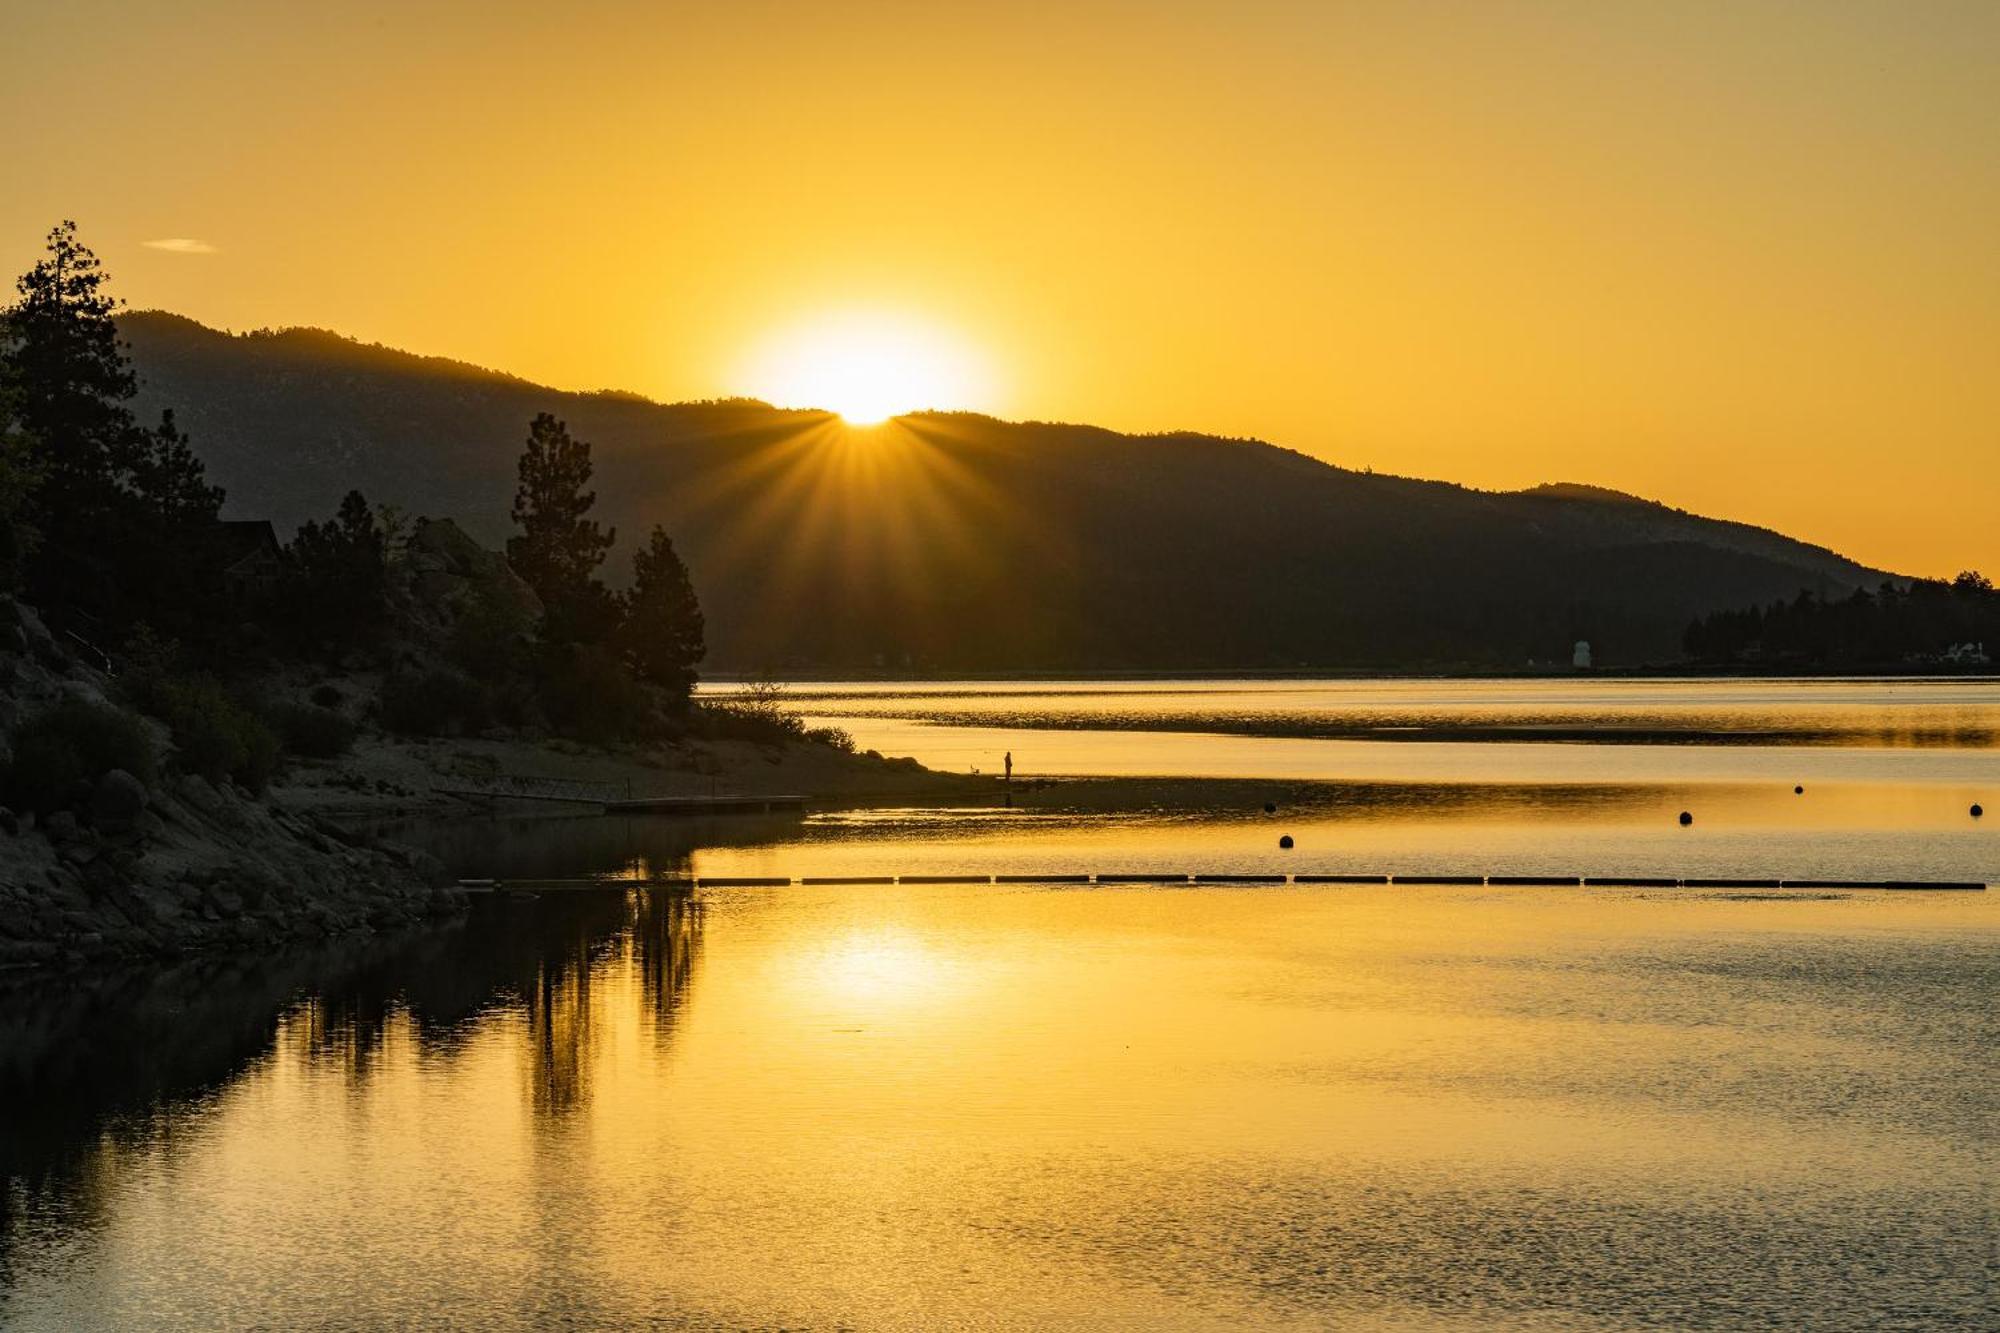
951,542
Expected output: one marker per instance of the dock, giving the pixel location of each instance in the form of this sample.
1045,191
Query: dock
702,805
1213,879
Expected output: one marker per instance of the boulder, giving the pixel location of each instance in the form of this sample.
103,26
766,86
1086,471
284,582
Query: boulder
118,801
427,867
452,575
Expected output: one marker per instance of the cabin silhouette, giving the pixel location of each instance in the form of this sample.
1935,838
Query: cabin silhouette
250,556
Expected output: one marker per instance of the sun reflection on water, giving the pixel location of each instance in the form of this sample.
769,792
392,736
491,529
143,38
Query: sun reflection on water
825,1106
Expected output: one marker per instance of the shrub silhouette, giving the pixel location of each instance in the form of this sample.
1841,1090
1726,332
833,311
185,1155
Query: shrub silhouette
587,693
435,703
73,742
311,732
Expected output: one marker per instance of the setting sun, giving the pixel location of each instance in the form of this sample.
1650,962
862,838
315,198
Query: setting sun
1111,666
867,367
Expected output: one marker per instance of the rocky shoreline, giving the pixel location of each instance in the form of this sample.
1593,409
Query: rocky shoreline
127,868
175,864
202,867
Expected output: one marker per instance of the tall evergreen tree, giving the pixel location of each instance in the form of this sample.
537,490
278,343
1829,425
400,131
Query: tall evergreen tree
170,482
662,634
123,514
21,474
336,584
69,377
559,549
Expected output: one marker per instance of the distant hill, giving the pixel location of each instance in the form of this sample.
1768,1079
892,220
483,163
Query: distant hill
954,542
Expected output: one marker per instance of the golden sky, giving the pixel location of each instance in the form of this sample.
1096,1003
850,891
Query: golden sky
1741,257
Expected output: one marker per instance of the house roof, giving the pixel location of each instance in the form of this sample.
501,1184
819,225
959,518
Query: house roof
247,539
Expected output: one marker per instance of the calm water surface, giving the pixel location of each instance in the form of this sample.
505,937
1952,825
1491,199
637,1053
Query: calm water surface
1950,712
1017,1107
918,1107
1428,776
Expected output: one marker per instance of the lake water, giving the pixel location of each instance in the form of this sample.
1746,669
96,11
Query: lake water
1031,1106
1950,713
1425,777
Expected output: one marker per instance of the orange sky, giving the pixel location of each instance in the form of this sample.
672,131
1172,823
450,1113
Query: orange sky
1739,257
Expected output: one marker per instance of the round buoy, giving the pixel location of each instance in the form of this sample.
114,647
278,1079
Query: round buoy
1978,810
1270,807
1798,791
1686,819
1285,841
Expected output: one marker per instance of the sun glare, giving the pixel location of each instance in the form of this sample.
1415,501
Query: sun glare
867,367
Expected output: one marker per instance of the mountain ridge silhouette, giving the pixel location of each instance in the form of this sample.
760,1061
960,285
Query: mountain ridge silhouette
957,542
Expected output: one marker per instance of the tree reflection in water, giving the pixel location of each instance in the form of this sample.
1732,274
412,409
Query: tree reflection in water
94,1067
654,941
